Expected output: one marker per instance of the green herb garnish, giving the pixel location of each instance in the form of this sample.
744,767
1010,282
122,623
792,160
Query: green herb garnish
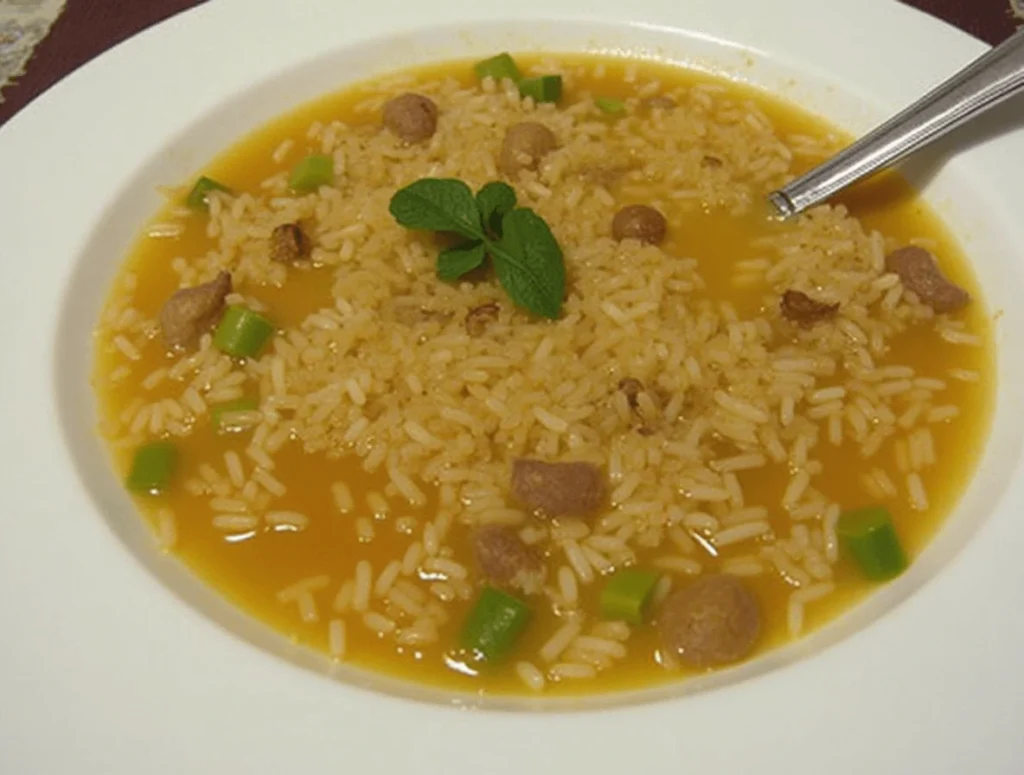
495,201
494,624
526,256
152,468
543,88
529,264
311,173
437,204
498,67
199,197
610,105
457,261
869,536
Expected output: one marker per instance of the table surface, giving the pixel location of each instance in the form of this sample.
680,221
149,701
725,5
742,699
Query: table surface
89,27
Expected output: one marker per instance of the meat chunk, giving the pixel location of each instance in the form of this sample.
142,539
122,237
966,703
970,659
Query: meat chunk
411,117
289,244
639,222
558,489
631,388
505,560
712,621
480,318
642,403
797,307
190,312
919,272
524,146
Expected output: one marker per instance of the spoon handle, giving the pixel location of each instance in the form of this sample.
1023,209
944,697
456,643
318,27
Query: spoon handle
989,80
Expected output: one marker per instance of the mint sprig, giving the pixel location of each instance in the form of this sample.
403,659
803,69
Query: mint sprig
526,255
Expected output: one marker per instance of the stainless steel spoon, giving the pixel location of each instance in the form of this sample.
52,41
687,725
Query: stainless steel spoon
983,84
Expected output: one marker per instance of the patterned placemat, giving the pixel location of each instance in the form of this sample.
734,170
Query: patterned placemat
23,24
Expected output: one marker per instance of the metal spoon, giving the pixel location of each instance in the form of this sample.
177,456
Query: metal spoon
983,84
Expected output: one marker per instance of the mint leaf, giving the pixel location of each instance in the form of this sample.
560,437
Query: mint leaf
493,201
529,263
455,262
437,204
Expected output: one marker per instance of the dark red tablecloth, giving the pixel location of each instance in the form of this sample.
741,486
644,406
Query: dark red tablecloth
89,27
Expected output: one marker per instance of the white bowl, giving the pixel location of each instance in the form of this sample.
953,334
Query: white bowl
103,666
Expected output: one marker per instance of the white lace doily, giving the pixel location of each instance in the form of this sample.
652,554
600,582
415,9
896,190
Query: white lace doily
23,23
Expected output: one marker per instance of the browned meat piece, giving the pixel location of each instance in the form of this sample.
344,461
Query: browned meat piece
714,620
632,388
412,117
558,489
524,146
480,318
647,417
504,559
190,312
639,222
289,243
919,272
799,308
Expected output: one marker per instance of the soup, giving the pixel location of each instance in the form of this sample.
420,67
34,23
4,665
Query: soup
502,378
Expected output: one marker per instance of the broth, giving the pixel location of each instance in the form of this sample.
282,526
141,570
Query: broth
252,567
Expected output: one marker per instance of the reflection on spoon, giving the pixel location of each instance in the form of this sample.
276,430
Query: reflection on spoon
983,84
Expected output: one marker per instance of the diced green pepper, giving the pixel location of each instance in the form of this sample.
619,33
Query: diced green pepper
152,468
627,593
869,536
610,105
198,197
311,173
543,88
238,405
498,67
494,624
242,333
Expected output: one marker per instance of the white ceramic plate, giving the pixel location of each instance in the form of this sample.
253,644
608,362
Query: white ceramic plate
114,660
